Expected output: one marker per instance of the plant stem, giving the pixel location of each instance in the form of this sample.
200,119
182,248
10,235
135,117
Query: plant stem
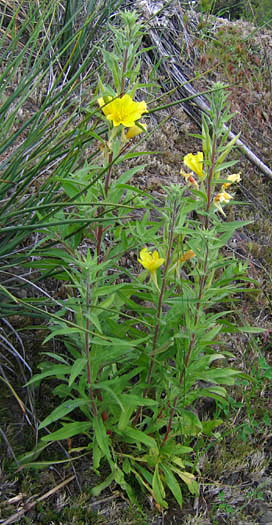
108,176
201,287
100,229
87,352
122,90
159,307
160,302
209,181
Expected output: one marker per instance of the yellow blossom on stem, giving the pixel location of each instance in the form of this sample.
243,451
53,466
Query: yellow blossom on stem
123,110
150,261
235,177
195,163
187,256
222,197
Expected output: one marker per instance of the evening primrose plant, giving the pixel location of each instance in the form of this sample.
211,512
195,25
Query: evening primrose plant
140,343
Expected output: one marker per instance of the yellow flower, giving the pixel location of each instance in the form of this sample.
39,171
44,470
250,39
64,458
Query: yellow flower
232,179
187,256
222,197
136,130
195,163
150,261
123,110
190,179
104,103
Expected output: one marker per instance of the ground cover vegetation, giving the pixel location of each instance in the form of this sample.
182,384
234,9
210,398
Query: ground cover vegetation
258,11
131,356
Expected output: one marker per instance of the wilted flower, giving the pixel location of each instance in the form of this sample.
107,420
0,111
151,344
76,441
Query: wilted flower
232,179
136,130
189,178
222,197
122,110
150,261
195,163
187,256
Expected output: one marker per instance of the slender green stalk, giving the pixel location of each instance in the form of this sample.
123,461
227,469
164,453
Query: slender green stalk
87,349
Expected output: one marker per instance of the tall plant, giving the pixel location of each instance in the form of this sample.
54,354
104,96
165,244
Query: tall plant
141,343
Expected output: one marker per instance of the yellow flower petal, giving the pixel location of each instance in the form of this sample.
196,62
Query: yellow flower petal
223,197
104,103
150,261
195,163
235,177
136,130
124,110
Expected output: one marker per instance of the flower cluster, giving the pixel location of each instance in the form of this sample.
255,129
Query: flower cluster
195,163
223,196
124,110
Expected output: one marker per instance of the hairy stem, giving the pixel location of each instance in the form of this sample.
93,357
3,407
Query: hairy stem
87,353
122,90
160,304
201,287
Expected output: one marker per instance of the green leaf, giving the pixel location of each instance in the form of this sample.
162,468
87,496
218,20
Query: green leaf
172,483
120,479
133,400
189,423
76,369
68,330
106,483
106,290
56,356
33,454
158,489
69,430
224,376
146,474
56,370
62,410
124,418
113,394
188,478
97,455
126,176
138,436
227,150
210,425
252,329
178,461
101,437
